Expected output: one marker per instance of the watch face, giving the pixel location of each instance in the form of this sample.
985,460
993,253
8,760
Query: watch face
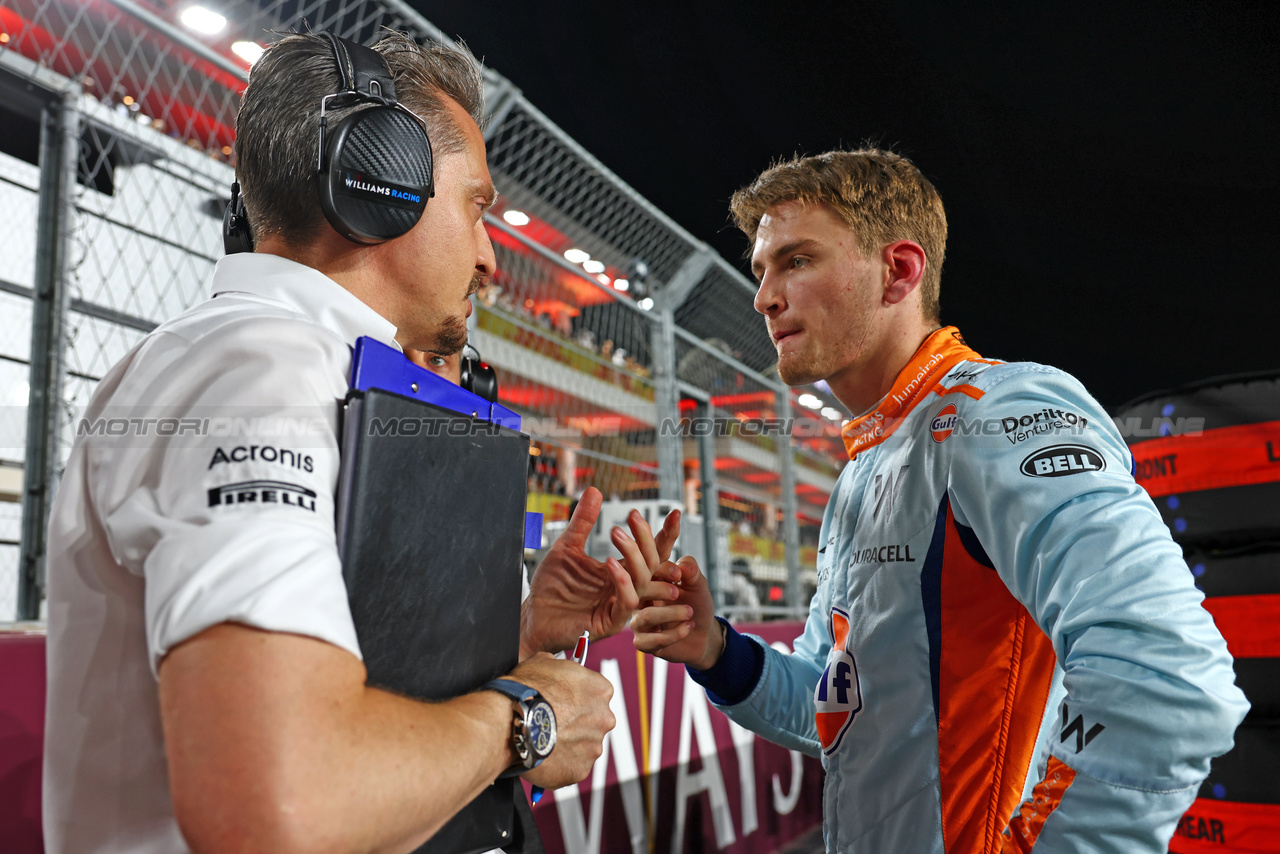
542,729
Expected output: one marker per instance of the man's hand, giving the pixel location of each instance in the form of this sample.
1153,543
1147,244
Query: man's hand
685,632
580,699
572,592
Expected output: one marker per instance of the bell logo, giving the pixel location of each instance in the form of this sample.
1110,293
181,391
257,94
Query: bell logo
838,697
943,423
1063,460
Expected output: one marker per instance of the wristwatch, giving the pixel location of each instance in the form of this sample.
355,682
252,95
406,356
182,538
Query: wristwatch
533,730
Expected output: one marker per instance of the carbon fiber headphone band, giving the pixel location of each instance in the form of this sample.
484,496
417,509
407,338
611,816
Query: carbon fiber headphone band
363,70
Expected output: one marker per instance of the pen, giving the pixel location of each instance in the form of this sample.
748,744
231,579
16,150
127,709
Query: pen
580,656
580,648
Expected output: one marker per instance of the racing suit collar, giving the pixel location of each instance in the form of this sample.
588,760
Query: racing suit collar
940,352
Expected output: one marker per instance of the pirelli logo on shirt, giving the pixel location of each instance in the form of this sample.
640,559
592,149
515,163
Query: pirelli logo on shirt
263,493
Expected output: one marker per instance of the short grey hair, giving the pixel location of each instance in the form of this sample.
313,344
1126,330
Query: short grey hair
278,126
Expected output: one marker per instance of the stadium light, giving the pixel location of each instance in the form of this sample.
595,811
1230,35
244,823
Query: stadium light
622,285
204,21
250,52
576,256
810,401
592,266
515,217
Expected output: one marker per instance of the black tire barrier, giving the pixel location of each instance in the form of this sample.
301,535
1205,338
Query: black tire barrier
1259,679
1250,772
1209,454
1224,517
1237,810
1243,571
1242,591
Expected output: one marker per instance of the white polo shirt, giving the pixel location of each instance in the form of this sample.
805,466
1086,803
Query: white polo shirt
200,491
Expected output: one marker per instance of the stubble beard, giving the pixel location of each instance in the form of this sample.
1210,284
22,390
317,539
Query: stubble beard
814,360
795,369
823,361
451,337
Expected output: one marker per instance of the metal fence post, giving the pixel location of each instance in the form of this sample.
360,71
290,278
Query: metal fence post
790,528
59,150
666,396
714,568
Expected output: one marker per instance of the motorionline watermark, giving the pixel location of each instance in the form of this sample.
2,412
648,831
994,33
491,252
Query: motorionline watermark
1019,427
215,427
319,427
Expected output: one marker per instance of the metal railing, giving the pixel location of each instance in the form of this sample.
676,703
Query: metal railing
614,331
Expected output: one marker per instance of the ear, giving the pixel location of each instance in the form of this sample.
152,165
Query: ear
905,263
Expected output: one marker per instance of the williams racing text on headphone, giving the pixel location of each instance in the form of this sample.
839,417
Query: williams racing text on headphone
373,167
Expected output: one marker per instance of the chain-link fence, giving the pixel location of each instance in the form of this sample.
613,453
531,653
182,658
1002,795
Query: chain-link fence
631,350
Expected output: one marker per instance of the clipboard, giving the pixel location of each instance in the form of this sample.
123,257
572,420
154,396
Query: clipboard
431,528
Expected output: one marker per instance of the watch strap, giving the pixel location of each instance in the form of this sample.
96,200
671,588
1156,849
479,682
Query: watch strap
523,695
519,692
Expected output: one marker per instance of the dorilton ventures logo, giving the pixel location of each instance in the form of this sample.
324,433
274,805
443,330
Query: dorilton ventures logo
1063,460
263,492
357,182
1023,427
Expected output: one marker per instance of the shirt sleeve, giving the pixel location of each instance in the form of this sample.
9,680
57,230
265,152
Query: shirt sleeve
228,514
779,706
1150,694
736,674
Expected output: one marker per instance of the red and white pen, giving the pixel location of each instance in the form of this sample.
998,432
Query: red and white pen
580,648
580,656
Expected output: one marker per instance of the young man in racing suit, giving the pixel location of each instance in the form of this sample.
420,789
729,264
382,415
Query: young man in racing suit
1005,651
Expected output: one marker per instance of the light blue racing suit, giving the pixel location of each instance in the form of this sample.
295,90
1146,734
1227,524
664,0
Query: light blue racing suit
1005,651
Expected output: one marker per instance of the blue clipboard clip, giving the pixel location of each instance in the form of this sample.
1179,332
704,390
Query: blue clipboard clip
377,365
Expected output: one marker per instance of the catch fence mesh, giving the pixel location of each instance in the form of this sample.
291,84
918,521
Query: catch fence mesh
572,323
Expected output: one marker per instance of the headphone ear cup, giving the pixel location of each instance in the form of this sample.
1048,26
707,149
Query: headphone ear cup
479,378
376,174
464,369
236,234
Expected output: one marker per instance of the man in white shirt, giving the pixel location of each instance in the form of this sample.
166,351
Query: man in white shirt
206,689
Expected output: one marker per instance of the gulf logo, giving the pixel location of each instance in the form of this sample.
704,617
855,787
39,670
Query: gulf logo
943,423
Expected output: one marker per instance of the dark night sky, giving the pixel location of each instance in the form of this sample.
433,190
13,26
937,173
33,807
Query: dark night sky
1109,168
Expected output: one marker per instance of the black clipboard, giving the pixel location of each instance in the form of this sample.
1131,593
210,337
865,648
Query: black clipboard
431,528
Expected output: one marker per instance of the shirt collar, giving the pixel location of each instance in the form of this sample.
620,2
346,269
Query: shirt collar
304,289
939,353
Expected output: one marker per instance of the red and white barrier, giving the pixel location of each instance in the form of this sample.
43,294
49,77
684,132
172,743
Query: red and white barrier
676,776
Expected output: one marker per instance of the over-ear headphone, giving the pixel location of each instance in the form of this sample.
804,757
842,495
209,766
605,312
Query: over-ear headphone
373,167
236,234
476,376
